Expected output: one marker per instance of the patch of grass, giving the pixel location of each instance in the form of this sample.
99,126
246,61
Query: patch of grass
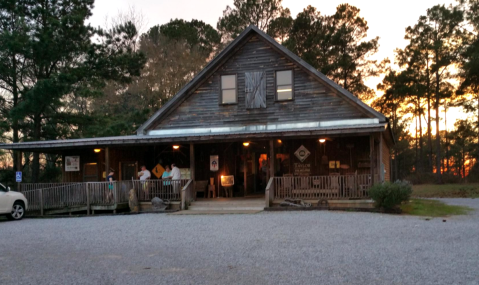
446,190
432,208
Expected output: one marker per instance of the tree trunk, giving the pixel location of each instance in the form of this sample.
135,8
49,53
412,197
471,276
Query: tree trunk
428,94
417,144
429,135
438,135
15,121
477,147
420,164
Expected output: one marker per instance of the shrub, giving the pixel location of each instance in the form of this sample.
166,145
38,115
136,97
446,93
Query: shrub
389,195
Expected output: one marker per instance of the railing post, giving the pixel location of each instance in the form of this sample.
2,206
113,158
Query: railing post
87,199
41,202
182,194
115,196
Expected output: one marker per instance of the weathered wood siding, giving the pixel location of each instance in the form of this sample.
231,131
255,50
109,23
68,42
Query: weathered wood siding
313,100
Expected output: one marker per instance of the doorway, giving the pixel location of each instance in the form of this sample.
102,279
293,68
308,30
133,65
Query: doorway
256,172
128,170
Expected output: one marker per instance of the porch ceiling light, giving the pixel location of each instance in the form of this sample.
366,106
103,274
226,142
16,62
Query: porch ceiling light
279,141
322,140
97,150
246,143
176,147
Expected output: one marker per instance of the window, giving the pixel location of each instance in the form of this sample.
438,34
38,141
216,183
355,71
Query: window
228,89
284,85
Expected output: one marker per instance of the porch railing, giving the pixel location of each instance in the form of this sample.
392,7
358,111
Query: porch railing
34,186
52,196
323,187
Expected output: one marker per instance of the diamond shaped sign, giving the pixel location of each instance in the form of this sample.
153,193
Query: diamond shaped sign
302,153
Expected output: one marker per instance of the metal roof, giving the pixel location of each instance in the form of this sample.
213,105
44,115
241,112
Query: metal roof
191,137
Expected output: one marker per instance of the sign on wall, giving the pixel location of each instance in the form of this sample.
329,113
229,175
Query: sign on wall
227,180
302,153
214,163
72,163
18,176
302,169
158,170
334,164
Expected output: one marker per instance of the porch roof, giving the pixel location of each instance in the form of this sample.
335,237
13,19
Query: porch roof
205,135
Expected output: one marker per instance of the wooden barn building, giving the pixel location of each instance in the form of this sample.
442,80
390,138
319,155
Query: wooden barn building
257,116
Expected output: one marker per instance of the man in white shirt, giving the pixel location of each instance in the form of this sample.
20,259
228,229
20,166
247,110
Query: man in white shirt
175,174
144,175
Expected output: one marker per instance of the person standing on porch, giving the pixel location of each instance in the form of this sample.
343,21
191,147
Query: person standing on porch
110,179
175,174
144,175
165,175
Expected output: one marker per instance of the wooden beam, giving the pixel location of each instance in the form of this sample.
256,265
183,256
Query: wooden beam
245,169
18,158
380,159
192,165
371,157
107,161
271,159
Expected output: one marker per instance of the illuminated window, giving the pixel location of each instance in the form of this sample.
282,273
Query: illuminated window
284,85
228,89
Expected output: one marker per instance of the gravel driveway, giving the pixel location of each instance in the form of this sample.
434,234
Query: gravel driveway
267,248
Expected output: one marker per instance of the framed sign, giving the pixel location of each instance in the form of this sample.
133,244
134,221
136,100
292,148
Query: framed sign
334,164
214,163
158,170
227,180
72,163
302,153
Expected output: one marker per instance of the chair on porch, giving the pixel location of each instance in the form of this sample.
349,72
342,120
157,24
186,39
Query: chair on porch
352,190
335,184
201,186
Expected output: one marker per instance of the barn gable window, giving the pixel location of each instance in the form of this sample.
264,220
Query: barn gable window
284,85
255,90
228,89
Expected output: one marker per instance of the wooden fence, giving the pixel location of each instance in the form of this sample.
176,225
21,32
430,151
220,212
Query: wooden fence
322,187
34,186
106,195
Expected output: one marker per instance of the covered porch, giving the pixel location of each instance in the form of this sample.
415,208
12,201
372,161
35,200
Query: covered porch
333,164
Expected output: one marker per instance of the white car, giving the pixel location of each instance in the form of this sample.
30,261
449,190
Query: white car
12,204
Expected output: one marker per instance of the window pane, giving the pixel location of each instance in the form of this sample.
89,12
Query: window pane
229,96
284,77
285,92
228,81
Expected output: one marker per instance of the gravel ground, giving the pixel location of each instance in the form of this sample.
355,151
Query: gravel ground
267,248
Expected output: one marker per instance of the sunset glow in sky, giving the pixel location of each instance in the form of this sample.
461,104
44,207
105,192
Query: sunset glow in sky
386,19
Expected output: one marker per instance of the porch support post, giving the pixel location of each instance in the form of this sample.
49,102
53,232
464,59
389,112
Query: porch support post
371,157
192,166
18,158
245,169
107,160
270,190
271,158
380,159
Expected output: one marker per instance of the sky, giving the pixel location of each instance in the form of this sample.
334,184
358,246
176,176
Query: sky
387,19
